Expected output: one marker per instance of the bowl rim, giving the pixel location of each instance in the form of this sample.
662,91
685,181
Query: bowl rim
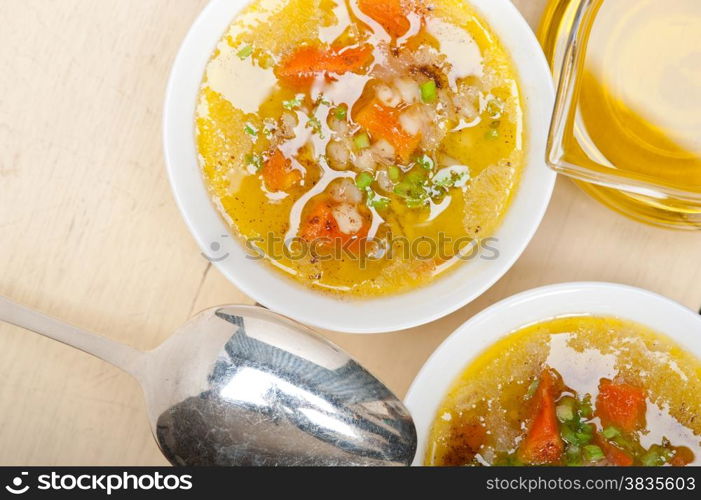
469,340
356,315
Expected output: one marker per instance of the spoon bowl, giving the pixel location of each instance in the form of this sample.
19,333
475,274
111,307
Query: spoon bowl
241,385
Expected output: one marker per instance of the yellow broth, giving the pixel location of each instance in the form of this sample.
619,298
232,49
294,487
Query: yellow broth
471,130
486,414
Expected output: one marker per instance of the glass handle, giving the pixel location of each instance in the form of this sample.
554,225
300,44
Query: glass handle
568,85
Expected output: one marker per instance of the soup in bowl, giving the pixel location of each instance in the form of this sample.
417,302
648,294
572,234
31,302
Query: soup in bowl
362,149
568,379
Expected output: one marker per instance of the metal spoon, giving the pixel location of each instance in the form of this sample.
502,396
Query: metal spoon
241,385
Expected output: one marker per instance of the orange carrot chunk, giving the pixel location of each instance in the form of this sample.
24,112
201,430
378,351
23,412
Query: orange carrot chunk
390,14
620,405
347,59
682,456
301,67
278,173
382,122
320,225
542,444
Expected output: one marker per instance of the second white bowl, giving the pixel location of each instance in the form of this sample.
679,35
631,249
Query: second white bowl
604,299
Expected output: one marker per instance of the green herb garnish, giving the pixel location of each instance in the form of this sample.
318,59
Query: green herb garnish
255,161
530,392
363,180
610,432
361,140
428,91
250,130
315,125
340,113
585,409
245,52
565,412
394,172
380,203
425,162
495,107
593,452
293,103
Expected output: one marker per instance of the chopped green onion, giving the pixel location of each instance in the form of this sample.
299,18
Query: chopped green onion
403,188
315,125
651,458
624,443
245,52
450,177
380,203
340,113
583,437
568,435
491,134
428,91
363,180
425,161
564,412
585,433
610,432
255,161
393,172
573,455
593,452
416,177
361,141
412,189
585,409
373,199
250,130
293,103
495,107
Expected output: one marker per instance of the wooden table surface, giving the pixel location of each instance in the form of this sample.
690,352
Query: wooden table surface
89,231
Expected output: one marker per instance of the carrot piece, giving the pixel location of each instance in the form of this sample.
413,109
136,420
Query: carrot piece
278,173
543,444
383,123
390,14
621,405
614,454
320,223
466,439
343,60
682,456
300,67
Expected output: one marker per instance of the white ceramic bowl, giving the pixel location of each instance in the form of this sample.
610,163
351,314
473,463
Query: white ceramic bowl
452,357
280,293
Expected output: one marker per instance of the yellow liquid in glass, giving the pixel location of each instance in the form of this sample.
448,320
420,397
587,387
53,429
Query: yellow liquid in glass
639,108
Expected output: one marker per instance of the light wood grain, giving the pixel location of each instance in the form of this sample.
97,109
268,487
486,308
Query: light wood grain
90,233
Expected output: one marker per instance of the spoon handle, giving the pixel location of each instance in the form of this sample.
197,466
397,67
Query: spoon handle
119,355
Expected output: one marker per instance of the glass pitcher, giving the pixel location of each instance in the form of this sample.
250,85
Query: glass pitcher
627,119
